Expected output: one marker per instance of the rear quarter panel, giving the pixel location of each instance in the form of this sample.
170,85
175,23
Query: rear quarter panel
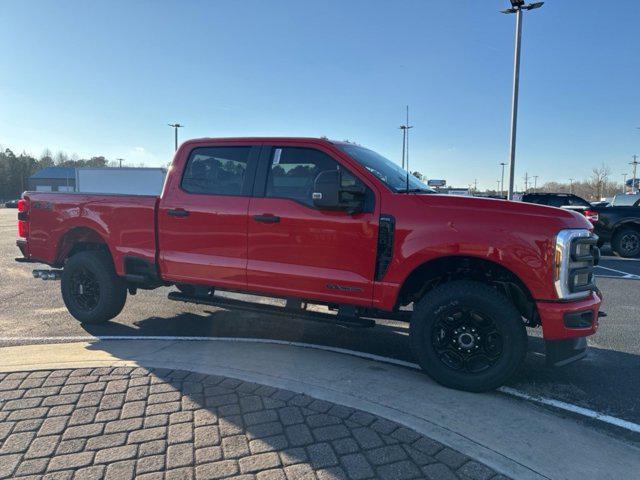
125,223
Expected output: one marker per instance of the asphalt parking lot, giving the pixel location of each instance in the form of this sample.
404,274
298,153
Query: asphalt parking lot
607,381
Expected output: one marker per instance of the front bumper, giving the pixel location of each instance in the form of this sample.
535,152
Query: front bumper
565,326
564,320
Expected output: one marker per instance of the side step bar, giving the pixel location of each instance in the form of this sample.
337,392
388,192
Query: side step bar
230,303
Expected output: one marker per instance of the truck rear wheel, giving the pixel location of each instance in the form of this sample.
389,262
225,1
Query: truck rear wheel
91,290
626,243
467,336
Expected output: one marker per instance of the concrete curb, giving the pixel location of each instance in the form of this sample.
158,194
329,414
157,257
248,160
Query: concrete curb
521,442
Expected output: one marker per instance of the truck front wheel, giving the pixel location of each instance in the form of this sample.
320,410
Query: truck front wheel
91,290
467,336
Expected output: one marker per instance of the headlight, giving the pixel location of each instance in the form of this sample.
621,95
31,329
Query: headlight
576,254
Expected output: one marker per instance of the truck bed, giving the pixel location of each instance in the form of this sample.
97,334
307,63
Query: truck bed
125,223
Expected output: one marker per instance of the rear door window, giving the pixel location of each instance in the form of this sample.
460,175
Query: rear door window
217,171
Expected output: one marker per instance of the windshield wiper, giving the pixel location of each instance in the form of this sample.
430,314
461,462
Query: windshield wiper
414,190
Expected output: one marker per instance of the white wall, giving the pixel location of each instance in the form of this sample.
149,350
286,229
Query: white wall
130,181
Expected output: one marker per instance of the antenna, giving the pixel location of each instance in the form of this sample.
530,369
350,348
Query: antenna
407,127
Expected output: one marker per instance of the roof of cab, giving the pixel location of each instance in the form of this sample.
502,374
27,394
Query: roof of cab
262,139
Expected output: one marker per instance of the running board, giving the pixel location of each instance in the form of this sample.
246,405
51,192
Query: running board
230,303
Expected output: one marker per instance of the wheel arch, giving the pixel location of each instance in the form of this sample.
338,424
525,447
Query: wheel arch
441,270
631,223
79,239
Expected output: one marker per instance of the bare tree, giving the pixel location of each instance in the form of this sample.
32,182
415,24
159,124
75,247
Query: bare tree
598,180
46,159
61,159
594,188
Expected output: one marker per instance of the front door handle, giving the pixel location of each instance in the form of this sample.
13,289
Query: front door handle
177,212
266,218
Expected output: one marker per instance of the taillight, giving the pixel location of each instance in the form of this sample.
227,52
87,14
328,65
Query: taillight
23,218
591,215
23,228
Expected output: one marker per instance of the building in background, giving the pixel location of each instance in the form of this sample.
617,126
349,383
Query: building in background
53,179
125,181
130,181
463,192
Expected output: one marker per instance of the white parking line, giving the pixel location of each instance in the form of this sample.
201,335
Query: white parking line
617,276
586,412
618,422
624,274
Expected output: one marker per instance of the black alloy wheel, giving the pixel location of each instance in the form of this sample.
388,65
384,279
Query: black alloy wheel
466,340
85,289
626,243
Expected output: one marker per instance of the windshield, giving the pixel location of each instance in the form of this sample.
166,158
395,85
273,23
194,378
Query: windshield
388,172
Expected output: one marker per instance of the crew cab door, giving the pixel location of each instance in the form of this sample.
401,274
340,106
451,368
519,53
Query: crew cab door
202,217
298,250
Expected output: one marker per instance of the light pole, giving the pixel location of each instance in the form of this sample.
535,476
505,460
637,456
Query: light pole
571,185
502,164
535,183
624,182
516,7
176,126
634,180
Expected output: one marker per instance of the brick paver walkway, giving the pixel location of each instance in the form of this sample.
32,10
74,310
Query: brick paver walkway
123,422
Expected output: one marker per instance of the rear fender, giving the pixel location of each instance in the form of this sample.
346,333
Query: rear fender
74,237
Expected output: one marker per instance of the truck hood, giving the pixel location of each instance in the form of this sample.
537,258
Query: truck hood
513,213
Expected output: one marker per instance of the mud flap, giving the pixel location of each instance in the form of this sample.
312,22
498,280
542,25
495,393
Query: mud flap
559,353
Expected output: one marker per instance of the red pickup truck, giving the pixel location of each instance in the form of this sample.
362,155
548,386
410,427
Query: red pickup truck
314,221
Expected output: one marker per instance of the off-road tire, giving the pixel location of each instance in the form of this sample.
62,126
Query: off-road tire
490,303
626,242
112,290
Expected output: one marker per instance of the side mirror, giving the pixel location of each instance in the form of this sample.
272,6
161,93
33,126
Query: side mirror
326,190
331,191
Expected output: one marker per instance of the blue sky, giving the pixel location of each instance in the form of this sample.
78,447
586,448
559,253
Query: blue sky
106,77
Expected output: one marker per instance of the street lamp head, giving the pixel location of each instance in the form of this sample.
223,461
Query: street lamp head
520,5
533,6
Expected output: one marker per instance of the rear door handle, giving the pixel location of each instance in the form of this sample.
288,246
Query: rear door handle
266,218
177,212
